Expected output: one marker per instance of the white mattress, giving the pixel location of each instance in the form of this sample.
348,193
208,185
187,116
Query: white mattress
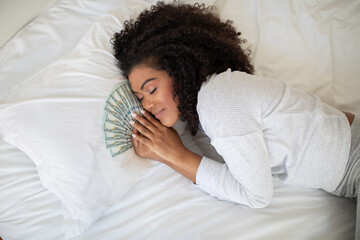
164,204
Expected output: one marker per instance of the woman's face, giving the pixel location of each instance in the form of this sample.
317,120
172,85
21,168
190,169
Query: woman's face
154,89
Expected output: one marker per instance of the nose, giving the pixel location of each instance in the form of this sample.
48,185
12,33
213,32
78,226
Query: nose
148,104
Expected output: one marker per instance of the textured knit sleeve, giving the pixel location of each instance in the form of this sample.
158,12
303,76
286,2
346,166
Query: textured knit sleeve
230,108
245,177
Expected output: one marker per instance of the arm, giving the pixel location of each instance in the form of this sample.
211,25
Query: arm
251,186
187,165
245,178
231,107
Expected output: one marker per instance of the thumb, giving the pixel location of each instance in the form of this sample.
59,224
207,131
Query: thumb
134,141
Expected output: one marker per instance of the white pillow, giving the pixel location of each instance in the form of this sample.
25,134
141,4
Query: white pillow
56,118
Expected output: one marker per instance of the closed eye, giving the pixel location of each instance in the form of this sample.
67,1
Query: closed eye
153,91
140,99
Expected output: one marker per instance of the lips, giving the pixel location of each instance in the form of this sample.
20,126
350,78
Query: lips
158,114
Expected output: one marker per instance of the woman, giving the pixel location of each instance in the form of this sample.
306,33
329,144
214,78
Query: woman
184,63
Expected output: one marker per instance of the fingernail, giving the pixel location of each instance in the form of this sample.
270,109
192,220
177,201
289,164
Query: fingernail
131,122
133,135
142,111
133,114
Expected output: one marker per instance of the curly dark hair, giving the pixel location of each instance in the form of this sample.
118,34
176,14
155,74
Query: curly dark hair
189,42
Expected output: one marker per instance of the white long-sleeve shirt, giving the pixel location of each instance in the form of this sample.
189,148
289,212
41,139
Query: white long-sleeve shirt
264,128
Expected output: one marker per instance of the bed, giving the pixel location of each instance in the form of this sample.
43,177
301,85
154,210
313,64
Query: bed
65,48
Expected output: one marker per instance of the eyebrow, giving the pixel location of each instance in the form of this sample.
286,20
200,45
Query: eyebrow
145,82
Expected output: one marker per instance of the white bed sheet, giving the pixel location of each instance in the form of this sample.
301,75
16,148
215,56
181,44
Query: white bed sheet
10,23
163,205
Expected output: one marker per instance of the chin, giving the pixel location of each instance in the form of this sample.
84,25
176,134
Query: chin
168,122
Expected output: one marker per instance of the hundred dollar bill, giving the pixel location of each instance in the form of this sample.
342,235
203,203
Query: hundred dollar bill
117,114
118,143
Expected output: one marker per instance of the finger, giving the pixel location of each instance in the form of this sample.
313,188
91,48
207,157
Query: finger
134,141
151,119
141,139
141,129
135,131
143,121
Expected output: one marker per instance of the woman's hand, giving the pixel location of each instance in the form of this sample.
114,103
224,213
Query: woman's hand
142,150
153,140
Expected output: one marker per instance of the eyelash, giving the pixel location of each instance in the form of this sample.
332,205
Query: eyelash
150,93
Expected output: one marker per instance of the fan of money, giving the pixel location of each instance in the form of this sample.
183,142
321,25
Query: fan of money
118,108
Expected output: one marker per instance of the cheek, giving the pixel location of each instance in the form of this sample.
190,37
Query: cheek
172,111
169,101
